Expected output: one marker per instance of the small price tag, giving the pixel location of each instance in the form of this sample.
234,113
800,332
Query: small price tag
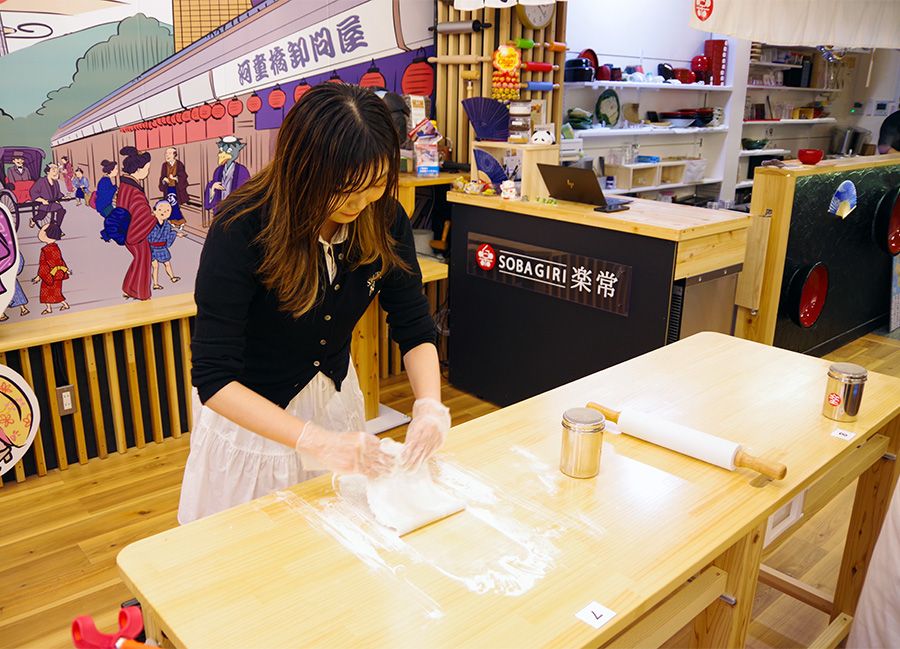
845,435
595,614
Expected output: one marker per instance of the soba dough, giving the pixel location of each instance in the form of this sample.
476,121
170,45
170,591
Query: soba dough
406,501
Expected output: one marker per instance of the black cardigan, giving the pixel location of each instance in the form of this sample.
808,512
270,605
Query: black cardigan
241,335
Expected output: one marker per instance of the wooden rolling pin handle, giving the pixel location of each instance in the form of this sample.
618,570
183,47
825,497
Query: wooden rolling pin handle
773,470
609,413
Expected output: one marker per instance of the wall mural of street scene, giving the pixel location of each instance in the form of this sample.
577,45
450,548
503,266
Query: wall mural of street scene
123,123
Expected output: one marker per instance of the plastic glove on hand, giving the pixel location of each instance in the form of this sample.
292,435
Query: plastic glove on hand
426,433
345,453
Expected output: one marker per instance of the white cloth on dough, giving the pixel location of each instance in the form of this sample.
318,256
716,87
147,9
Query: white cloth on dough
876,624
408,500
229,465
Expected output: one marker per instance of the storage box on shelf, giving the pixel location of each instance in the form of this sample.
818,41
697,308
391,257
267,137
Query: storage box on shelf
531,154
663,175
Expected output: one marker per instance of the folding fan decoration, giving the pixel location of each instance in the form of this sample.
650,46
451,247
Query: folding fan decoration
489,117
488,166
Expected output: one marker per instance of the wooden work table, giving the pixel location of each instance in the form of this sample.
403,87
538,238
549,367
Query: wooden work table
675,270
267,574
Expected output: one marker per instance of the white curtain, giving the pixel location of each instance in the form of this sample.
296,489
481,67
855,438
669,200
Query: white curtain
841,23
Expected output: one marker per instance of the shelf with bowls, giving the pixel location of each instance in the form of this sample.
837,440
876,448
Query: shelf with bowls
793,88
657,188
647,86
642,131
750,153
744,184
789,122
775,66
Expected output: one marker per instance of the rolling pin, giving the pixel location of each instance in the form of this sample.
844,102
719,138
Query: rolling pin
690,442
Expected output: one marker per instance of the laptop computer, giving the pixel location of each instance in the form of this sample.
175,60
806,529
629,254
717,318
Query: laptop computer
579,185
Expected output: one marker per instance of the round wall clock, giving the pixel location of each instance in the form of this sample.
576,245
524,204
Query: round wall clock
536,16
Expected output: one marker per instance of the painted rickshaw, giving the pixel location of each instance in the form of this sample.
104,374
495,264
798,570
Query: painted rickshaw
15,195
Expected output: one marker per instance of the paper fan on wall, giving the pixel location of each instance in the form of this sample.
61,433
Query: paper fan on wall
844,200
488,166
489,117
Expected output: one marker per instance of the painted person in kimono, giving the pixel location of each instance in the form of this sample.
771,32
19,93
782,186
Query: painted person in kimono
47,192
130,197
82,184
65,171
106,188
161,238
229,175
173,183
52,269
19,297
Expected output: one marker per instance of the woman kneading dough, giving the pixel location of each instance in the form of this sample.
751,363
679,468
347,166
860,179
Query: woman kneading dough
291,262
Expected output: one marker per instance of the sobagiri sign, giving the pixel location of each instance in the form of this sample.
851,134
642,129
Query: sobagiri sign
596,283
357,31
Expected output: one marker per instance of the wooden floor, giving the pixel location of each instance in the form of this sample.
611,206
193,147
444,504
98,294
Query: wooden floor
59,535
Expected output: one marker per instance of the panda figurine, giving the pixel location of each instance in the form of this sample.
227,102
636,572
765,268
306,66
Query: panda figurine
543,136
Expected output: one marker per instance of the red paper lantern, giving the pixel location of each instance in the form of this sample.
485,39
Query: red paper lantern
186,115
373,78
235,107
335,78
418,78
195,113
205,112
301,89
218,110
277,98
254,103
178,118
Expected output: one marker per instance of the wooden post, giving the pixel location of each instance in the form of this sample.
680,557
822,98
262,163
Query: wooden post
723,624
873,495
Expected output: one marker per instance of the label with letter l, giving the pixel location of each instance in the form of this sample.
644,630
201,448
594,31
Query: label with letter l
595,614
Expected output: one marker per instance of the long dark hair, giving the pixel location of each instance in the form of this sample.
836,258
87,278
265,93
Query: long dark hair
134,159
108,165
336,140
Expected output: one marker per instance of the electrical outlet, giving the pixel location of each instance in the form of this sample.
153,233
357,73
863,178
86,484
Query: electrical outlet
65,398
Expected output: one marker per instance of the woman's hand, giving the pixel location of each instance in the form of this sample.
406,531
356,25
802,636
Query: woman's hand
426,433
344,452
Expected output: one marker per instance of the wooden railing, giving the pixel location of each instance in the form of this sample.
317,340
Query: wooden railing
129,366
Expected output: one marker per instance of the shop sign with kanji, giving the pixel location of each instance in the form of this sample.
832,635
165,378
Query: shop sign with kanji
360,33
596,283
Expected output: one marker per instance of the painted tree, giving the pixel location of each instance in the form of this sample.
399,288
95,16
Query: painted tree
139,44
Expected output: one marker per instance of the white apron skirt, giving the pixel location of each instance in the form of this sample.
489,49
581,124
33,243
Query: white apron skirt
229,465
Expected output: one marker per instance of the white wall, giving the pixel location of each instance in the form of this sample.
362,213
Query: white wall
884,84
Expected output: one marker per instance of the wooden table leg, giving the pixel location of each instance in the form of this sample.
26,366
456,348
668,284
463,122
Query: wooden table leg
723,624
364,349
873,495
152,630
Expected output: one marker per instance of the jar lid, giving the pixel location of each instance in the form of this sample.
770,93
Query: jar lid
848,371
584,420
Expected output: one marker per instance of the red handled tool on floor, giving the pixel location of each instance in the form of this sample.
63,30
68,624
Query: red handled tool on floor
86,636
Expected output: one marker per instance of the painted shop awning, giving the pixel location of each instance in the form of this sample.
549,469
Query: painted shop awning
839,23
276,41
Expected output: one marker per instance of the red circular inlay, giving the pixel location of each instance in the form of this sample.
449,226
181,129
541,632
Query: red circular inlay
834,399
812,297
